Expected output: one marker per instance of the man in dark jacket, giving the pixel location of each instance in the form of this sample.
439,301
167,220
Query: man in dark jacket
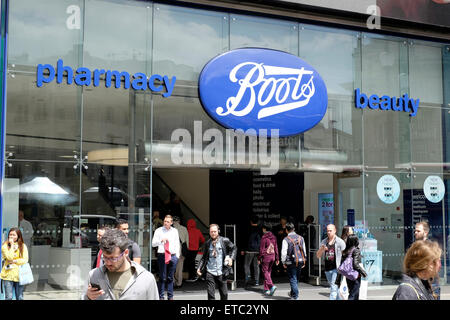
252,250
280,232
218,256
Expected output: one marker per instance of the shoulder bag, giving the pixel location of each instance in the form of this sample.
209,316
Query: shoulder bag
25,274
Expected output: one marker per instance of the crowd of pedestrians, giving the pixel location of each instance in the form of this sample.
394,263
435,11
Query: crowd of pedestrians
117,273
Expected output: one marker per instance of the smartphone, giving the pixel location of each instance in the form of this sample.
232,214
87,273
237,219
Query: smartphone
95,285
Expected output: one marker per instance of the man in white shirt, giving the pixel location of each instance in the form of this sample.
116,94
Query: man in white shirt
184,240
167,240
27,230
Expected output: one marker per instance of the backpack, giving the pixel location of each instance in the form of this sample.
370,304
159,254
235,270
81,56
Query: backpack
346,268
297,248
270,249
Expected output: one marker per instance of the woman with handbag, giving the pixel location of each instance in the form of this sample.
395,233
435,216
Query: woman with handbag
14,254
353,276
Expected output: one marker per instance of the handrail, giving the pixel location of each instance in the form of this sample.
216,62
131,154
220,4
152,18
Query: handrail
200,224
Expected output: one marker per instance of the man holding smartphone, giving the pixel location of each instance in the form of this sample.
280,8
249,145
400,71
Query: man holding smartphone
119,278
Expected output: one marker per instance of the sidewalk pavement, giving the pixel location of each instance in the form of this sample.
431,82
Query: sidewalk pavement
197,291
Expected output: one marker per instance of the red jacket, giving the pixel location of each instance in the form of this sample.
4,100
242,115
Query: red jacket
196,238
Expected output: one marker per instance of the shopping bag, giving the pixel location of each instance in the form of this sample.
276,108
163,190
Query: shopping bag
363,289
25,274
343,289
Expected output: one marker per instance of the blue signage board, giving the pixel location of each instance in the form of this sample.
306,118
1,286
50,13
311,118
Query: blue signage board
263,89
351,217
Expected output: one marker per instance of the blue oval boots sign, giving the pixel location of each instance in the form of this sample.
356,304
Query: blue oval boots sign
255,88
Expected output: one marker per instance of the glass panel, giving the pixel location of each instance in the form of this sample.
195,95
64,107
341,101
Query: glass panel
350,197
246,31
42,123
48,195
386,140
180,115
116,125
335,143
177,31
334,56
45,33
110,192
425,74
381,67
427,207
386,223
118,41
429,139
184,135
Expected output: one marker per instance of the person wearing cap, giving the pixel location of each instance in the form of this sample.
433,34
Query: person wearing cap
184,244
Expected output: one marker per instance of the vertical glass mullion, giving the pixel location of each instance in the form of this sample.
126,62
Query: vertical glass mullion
80,95
446,147
150,28
358,84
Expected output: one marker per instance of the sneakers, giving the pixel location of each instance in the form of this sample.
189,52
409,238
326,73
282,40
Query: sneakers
267,293
256,283
291,297
192,279
272,290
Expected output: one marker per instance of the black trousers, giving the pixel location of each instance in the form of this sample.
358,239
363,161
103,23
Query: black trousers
190,263
353,288
211,281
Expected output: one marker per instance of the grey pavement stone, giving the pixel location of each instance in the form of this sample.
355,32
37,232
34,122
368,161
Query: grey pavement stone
197,291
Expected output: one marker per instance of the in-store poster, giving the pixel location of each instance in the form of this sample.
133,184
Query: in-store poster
417,208
326,211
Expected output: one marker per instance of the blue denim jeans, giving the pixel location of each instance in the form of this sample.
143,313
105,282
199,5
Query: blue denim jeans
331,278
166,273
294,275
11,286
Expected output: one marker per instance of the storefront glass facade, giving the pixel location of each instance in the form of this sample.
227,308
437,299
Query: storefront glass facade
82,156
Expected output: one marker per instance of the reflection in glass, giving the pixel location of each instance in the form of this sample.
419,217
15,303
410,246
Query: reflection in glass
247,31
333,55
425,74
45,33
116,125
42,123
177,31
429,139
387,222
334,144
102,47
387,140
48,194
117,192
381,66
